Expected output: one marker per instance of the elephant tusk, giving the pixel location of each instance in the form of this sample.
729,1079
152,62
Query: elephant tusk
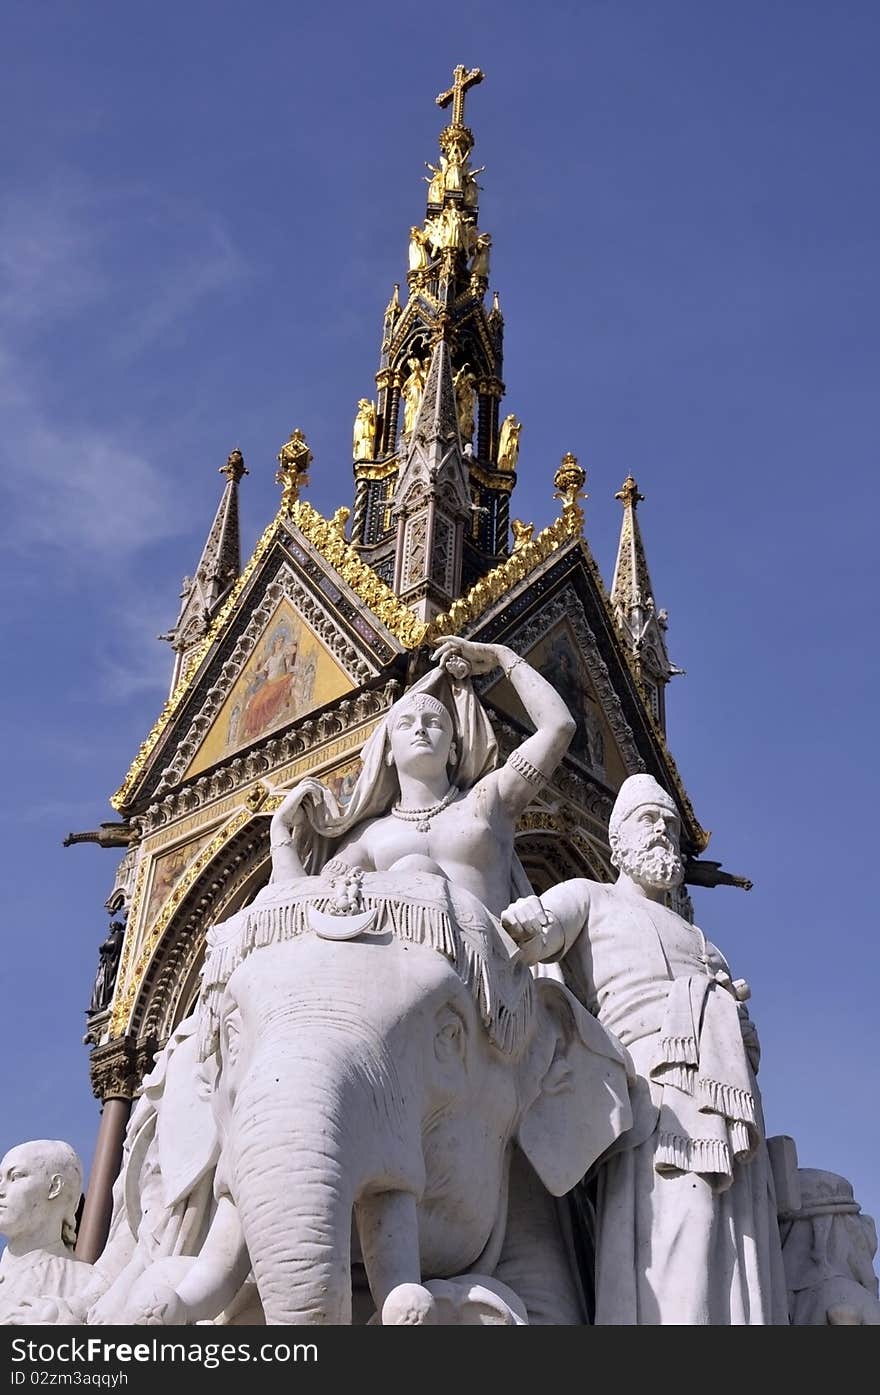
340,927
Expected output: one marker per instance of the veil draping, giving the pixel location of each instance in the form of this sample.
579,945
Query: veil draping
321,831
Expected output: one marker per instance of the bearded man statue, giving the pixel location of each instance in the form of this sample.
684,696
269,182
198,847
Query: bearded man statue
686,1228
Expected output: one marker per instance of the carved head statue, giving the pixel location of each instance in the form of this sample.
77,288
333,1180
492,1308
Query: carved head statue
420,735
643,833
40,1188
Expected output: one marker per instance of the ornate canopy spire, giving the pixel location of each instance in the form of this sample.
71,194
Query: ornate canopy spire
631,586
432,505
632,598
447,279
219,566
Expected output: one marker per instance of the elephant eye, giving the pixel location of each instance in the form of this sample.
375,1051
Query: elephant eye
450,1037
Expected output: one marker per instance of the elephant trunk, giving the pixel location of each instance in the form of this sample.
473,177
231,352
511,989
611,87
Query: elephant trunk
312,1140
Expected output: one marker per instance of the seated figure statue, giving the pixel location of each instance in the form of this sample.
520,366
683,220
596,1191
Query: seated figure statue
828,1247
429,797
389,1098
40,1279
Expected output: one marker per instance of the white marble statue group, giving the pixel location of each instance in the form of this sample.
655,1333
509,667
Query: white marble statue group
381,1102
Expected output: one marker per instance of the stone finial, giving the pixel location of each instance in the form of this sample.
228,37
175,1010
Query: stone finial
235,467
629,494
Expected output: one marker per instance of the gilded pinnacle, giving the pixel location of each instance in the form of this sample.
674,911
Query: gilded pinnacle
461,81
294,459
234,467
629,495
569,480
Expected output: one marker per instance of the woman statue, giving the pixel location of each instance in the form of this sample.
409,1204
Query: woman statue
429,798
465,401
411,391
364,431
40,1279
508,442
418,249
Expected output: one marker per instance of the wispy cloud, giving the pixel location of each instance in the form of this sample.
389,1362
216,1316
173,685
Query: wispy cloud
82,493
50,240
86,488
81,481
73,813
130,659
213,266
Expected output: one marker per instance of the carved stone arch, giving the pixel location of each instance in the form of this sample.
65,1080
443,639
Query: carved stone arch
550,856
415,342
474,347
232,879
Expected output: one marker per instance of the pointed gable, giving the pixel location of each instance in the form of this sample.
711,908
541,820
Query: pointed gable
288,674
289,598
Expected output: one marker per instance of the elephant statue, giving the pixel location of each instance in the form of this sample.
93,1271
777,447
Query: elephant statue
385,1103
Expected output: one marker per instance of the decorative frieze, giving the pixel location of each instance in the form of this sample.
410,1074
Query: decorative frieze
117,1068
315,736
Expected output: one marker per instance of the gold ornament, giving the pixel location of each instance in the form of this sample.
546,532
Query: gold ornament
508,442
294,459
364,432
569,480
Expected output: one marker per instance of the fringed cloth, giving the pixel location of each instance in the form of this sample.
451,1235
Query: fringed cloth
708,1114
418,908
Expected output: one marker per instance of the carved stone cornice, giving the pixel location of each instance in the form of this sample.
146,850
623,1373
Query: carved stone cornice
502,480
117,1068
372,470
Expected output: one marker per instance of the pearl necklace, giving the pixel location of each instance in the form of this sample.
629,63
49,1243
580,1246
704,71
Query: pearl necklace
422,817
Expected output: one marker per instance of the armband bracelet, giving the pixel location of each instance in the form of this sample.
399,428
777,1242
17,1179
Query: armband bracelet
526,770
281,843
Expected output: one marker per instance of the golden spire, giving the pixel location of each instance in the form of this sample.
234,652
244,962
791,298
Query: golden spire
294,459
461,81
629,494
235,467
631,587
569,480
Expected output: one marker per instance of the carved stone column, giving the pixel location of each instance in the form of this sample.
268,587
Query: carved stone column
117,1069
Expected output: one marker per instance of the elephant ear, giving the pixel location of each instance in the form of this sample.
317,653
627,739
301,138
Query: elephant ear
186,1133
583,1103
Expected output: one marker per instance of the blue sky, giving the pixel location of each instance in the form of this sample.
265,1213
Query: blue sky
205,206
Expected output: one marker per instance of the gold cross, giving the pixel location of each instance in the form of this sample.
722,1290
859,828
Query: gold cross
461,81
